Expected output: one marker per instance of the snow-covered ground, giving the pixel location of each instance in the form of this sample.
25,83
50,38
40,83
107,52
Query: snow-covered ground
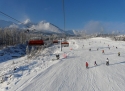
68,74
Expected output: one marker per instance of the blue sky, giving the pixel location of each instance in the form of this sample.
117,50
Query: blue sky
87,15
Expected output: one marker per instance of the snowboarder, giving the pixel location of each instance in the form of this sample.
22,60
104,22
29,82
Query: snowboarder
118,53
95,63
57,56
107,61
87,65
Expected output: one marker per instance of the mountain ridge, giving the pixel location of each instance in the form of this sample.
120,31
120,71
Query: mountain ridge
43,26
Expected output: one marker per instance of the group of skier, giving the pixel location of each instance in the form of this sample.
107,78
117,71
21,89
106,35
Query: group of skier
107,63
107,60
87,65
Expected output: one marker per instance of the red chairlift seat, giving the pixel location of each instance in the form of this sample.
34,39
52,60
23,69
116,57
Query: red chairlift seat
36,42
65,44
55,41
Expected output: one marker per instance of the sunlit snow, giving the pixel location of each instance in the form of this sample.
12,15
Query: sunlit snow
68,74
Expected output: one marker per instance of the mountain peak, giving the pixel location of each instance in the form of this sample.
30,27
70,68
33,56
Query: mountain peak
27,21
42,26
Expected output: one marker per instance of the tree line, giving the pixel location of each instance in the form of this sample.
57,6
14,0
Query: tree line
14,36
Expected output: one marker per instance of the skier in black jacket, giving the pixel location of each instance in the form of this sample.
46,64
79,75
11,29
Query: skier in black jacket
57,56
107,61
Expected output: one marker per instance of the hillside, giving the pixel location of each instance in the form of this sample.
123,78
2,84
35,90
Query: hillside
70,73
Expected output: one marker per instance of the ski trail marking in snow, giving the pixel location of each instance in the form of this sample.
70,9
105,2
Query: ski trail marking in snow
70,74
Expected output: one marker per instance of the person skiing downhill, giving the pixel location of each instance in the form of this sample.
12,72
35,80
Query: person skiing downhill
90,49
95,63
87,65
102,51
107,61
82,46
57,56
118,53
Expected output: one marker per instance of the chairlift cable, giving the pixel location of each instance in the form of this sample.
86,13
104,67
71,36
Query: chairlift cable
13,18
10,17
64,20
64,14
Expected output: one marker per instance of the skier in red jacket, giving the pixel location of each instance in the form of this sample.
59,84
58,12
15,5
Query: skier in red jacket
87,64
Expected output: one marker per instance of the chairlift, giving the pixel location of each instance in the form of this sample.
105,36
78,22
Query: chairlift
55,41
36,42
65,44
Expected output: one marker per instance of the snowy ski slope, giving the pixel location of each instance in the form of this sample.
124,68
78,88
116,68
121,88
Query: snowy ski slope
70,74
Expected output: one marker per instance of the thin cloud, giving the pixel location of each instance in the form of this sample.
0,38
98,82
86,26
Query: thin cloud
93,27
104,27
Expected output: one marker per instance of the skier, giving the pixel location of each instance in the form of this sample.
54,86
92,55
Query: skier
82,46
107,61
116,47
118,53
64,55
102,51
87,65
97,49
90,49
57,56
95,63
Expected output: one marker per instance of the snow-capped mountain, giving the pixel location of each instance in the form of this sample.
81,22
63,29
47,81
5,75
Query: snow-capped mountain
71,32
37,27
43,26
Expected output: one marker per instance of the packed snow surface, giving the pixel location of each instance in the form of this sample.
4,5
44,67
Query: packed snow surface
69,73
